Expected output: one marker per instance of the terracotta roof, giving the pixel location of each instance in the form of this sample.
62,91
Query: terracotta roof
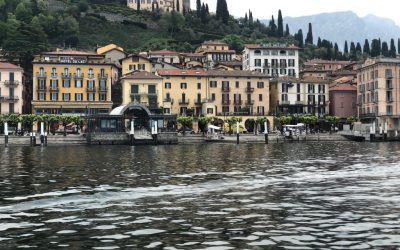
308,79
163,52
214,43
343,87
192,54
135,55
218,51
321,61
140,75
4,65
70,52
232,63
181,72
266,46
236,73
109,47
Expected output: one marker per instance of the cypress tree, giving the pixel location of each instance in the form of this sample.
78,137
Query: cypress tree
245,18
300,38
280,24
375,48
353,53
366,49
392,51
309,37
346,48
203,13
250,17
152,7
336,52
198,8
287,33
222,12
385,49
178,8
272,26
358,48
207,9
138,5
398,45
319,44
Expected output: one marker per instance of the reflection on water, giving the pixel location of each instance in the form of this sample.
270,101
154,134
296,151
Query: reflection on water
329,195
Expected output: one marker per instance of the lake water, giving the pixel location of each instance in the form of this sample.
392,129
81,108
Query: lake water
328,195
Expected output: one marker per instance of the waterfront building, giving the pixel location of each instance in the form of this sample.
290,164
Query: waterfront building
216,92
299,96
137,62
165,5
274,60
143,88
215,52
11,88
167,56
113,53
343,98
72,82
378,81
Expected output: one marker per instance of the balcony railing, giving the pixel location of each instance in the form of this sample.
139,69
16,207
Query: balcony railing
205,100
9,98
53,75
79,76
249,102
184,101
226,102
299,102
103,89
53,88
11,83
66,76
169,100
91,89
237,102
198,102
42,89
90,76
225,89
249,90
103,76
41,75
285,102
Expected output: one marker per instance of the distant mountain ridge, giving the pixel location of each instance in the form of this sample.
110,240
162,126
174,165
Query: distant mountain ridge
340,26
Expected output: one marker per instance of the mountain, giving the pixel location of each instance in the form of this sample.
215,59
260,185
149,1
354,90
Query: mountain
341,26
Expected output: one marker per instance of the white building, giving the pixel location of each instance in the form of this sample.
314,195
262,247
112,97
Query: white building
275,60
299,96
165,5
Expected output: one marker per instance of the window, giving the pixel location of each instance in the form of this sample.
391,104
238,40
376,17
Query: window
183,110
183,85
291,63
198,85
91,74
260,97
225,109
151,89
237,84
66,97
66,83
90,97
311,88
257,62
260,85
134,89
42,96
78,83
132,67
102,73
167,110
54,97
389,109
284,97
11,108
213,84
53,72
213,96
210,111
41,71
102,97
167,85
78,72
284,87
66,72
78,97
260,110
90,84
53,84
298,88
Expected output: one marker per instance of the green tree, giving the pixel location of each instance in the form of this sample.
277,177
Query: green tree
178,7
198,8
375,48
366,49
23,12
398,45
385,49
138,6
203,123
185,121
333,121
351,119
319,43
353,53
83,6
392,51
299,38
235,42
222,12
287,32
232,121
251,20
280,24
260,123
346,48
309,37
272,26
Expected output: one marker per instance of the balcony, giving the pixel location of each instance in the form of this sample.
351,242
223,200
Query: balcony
183,101
91,89
299,102
102,76
285,102
275,65
226,102
249,90
9,98
205,100
42,75
148,93
169,99
42,89
389,86
389,100
237,102
54,88
79,76
389,75
103,89
225,89
90,76
266,65
198,102
66,76
249,102
11,83
53,75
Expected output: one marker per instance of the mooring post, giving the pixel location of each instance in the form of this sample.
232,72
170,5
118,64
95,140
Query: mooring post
266,132
42,133
237,132
132,133
45,138
155,132
31,138
34,139
6,134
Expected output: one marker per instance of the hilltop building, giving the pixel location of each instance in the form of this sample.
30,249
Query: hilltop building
72,82
215,52
164,5
273,60
11,88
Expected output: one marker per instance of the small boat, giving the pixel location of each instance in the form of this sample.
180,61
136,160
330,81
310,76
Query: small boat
214,134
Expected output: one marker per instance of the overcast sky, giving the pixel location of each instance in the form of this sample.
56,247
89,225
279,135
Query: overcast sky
263,9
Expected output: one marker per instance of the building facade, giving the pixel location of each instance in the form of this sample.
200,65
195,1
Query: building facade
343,99
216,92
274,60
165,5
378,91
72,82
215,52
299,96
11,88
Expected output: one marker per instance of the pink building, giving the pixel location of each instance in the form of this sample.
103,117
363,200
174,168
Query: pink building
343,97
11,88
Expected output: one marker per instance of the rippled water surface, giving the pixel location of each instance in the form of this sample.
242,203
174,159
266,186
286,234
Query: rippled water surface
340,195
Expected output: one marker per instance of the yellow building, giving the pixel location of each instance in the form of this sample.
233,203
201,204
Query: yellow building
72,82
216,92
142,87
135,63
